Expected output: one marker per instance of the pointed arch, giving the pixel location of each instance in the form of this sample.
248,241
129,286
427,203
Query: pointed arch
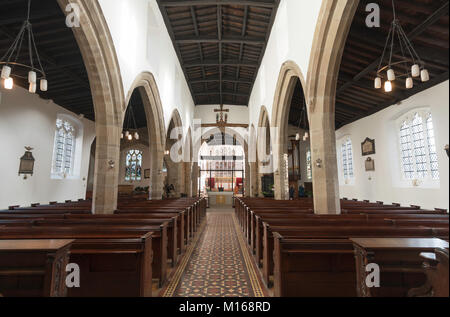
290,72
148,89
174,161
335,19
100,59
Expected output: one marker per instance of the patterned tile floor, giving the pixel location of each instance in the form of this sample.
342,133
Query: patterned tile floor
218,264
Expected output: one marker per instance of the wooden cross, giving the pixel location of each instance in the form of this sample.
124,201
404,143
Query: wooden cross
221,110
221,123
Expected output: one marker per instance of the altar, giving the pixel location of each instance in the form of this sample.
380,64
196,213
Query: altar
220,199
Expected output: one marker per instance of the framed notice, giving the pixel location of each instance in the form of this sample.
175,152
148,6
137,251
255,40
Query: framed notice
370,165
368,147
147,174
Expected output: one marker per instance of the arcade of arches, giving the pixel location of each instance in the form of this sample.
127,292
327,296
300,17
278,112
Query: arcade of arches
211,120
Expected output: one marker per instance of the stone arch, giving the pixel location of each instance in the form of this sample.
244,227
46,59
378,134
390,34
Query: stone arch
253,162
100,59
263,141
241,135
289,74
148,89
174,161
335,19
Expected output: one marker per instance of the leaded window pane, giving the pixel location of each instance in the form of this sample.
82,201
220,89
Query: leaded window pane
406,151
64,147
434,165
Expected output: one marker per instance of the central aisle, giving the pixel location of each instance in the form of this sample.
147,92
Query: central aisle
218,264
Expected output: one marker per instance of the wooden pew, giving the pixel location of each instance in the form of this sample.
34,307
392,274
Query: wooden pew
159,236
111,264
399,262
33,268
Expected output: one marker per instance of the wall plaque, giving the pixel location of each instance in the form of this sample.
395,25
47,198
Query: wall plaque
368,147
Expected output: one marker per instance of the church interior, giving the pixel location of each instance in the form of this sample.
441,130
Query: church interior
224,148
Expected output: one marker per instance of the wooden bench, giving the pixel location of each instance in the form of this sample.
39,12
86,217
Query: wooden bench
112,264
33,268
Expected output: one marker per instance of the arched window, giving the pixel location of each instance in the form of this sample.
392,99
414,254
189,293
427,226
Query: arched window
418,147
308,165
347,159
64,148
133,165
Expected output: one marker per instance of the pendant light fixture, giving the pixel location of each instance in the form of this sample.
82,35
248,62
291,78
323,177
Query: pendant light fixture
11,66
130,128
409,66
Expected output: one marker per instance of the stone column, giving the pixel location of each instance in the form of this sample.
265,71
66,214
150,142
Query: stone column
253,179
195,179
156,187
335,19
106,177
324,161
247,180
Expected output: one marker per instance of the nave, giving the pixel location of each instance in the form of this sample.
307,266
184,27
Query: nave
224,148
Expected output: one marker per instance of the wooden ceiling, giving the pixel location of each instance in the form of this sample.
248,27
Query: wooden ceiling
426,22
61,58
220,45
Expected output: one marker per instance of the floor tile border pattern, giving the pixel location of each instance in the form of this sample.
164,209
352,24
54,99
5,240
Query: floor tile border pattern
255,281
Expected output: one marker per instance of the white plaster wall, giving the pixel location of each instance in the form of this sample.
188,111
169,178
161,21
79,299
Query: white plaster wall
142,44
384,184
291,40
28,120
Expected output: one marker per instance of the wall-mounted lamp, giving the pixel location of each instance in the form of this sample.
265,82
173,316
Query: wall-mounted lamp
111,164
319,163
26,166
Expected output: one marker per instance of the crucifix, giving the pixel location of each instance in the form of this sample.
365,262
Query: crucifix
222,121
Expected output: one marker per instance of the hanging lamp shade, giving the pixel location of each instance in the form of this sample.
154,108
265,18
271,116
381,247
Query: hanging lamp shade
387,86
297,137
377,83
32,77
391,74
424,75
9,83
6,72
130,137
409,83
32,88
121,136
415,70
136,136
44,84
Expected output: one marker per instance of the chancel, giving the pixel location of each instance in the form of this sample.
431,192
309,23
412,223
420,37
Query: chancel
264,148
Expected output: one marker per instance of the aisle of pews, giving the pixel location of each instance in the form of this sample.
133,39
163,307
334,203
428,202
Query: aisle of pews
301,254
124,254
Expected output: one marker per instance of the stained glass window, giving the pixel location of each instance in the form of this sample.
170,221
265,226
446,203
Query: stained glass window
347,159
63,157
418,148
133,166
